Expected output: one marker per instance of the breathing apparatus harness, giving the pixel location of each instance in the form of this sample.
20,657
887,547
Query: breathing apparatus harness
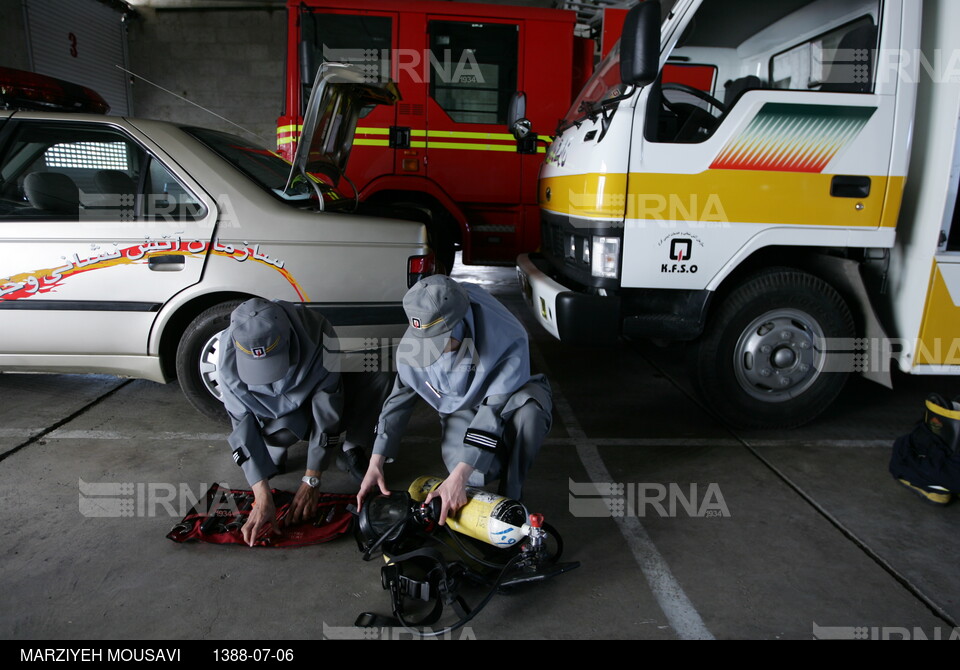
401,526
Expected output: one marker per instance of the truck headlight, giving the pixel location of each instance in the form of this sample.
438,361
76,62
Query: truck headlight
605,259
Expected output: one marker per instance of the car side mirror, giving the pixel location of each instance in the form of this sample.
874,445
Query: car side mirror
640,45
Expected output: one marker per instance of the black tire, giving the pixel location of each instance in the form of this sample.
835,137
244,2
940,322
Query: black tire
444,248
761,362
196,360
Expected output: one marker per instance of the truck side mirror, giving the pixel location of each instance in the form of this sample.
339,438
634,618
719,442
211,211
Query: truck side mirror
640,45
519,125
516,115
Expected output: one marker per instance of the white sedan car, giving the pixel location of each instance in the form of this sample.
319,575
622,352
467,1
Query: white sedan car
125,244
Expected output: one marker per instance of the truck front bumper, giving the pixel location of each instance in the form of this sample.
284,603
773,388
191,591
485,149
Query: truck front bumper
570,316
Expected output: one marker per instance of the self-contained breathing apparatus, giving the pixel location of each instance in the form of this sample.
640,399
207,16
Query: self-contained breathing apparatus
503,547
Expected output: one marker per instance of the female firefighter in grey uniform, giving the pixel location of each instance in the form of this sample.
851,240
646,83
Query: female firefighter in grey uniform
281,382
468,357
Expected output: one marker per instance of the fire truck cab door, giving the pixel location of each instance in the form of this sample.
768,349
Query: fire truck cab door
474,71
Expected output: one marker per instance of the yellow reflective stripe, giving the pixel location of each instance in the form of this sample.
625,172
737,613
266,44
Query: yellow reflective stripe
943,411
447,134
471,147
456,134
427,135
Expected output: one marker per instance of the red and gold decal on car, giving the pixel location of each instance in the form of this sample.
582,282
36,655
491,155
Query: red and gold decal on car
29,284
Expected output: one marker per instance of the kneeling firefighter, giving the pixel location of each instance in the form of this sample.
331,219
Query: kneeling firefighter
281,383
467,356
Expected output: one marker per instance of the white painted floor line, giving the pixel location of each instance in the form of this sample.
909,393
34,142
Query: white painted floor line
19,432
677,607
146,435
637,442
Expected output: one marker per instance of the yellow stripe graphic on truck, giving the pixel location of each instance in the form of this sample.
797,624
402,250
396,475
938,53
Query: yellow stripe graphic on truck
742,196
939,342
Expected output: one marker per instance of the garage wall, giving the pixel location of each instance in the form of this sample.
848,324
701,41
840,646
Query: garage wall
13,37
230,61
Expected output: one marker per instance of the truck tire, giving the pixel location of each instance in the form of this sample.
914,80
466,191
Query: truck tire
197,359
762,362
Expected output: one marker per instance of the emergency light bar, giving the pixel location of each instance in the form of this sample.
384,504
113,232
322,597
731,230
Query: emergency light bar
28,90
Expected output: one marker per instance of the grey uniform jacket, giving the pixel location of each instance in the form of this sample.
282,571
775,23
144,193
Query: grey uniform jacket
306,404
488,380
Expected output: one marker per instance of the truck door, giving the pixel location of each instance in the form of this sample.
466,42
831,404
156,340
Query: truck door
474,72
795,150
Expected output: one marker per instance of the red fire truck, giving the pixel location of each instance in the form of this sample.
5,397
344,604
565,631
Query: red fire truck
445,146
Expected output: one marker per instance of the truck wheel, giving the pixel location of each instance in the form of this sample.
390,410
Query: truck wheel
441,239
198,358
763,361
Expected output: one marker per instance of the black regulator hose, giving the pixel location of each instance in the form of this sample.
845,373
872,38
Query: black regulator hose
476,610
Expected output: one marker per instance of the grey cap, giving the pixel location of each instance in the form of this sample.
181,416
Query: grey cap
261,335
434,307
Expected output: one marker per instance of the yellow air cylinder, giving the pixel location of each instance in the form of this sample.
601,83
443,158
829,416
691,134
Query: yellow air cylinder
487,517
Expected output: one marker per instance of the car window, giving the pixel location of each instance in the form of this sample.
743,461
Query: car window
264,167
165,198
73,172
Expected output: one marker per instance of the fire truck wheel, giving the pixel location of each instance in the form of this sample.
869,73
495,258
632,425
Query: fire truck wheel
763,362
198,358
441,239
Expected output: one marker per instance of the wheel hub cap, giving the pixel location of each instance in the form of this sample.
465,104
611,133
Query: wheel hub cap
779,355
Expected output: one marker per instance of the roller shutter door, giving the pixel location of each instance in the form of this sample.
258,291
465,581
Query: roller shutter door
82,41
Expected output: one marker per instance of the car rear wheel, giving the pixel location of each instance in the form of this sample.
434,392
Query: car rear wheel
765,360
198,360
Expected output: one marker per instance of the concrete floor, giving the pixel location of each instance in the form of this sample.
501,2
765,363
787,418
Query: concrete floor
777,534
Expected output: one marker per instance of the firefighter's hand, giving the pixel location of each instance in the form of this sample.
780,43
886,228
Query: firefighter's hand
304,505
452,492
263,517
373,480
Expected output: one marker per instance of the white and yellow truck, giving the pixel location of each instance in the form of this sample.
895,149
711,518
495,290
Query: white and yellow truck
775,182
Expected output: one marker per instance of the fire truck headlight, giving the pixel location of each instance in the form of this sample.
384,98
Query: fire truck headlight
605,257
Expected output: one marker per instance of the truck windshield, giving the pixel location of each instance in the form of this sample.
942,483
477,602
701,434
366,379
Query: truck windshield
603,85
264,167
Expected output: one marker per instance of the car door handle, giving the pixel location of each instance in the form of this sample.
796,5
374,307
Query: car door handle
169,263
850,186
